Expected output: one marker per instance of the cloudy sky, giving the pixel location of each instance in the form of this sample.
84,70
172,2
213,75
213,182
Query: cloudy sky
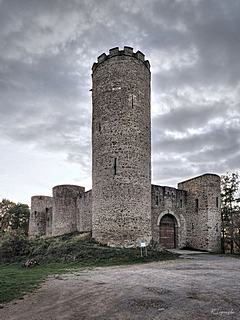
47,49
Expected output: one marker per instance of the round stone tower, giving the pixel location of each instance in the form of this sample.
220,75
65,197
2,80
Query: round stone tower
41,208
121,148
65,208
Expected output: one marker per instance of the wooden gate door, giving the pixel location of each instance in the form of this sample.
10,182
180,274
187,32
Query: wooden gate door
168,231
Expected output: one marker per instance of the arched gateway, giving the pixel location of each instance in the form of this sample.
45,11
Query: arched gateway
168,231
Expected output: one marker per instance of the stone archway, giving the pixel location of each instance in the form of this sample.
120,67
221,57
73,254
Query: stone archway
168,231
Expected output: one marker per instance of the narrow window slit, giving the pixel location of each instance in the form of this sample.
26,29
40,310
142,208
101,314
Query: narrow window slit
196,204
115,166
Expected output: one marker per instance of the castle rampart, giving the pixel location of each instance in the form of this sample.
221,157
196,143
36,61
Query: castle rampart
84,212
65,208
168,201
203,211
41,207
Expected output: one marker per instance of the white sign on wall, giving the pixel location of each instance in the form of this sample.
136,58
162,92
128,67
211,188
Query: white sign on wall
142,244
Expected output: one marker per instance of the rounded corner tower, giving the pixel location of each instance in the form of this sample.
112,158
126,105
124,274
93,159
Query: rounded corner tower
121,148
41,212
65,209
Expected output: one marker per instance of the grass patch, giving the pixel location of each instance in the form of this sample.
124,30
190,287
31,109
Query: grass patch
59,255
15,280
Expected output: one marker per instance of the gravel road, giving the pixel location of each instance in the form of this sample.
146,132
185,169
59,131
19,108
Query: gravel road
200,286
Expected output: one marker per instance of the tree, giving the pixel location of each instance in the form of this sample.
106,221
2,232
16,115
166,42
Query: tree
13,216
5,206
230,212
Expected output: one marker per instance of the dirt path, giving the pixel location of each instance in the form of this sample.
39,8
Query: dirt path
204,287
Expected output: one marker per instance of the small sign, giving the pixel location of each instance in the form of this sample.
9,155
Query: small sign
142,244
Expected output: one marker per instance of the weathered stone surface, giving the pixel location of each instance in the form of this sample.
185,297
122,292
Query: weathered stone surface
121,150
41,206
84,212
203,212
65,209
49,222
165,201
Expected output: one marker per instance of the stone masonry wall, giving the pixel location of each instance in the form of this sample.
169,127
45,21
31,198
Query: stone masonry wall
84,212
49,223
121,148
167,200
203,213
40,206
214,214
64,219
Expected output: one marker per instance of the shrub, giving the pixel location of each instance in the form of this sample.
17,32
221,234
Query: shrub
13,244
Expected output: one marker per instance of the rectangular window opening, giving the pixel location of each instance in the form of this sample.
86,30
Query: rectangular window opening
157,200
217,202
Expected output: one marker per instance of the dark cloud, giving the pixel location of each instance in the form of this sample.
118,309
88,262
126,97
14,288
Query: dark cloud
47,49
188,117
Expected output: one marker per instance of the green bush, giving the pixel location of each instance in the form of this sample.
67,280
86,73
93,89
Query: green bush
13,245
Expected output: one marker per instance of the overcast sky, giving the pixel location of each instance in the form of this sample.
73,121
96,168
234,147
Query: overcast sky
47,49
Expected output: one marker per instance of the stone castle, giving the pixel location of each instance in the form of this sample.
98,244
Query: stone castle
123,208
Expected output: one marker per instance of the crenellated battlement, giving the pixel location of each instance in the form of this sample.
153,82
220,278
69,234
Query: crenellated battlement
127,51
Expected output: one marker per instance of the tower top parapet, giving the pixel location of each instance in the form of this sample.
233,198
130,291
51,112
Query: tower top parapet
127,51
